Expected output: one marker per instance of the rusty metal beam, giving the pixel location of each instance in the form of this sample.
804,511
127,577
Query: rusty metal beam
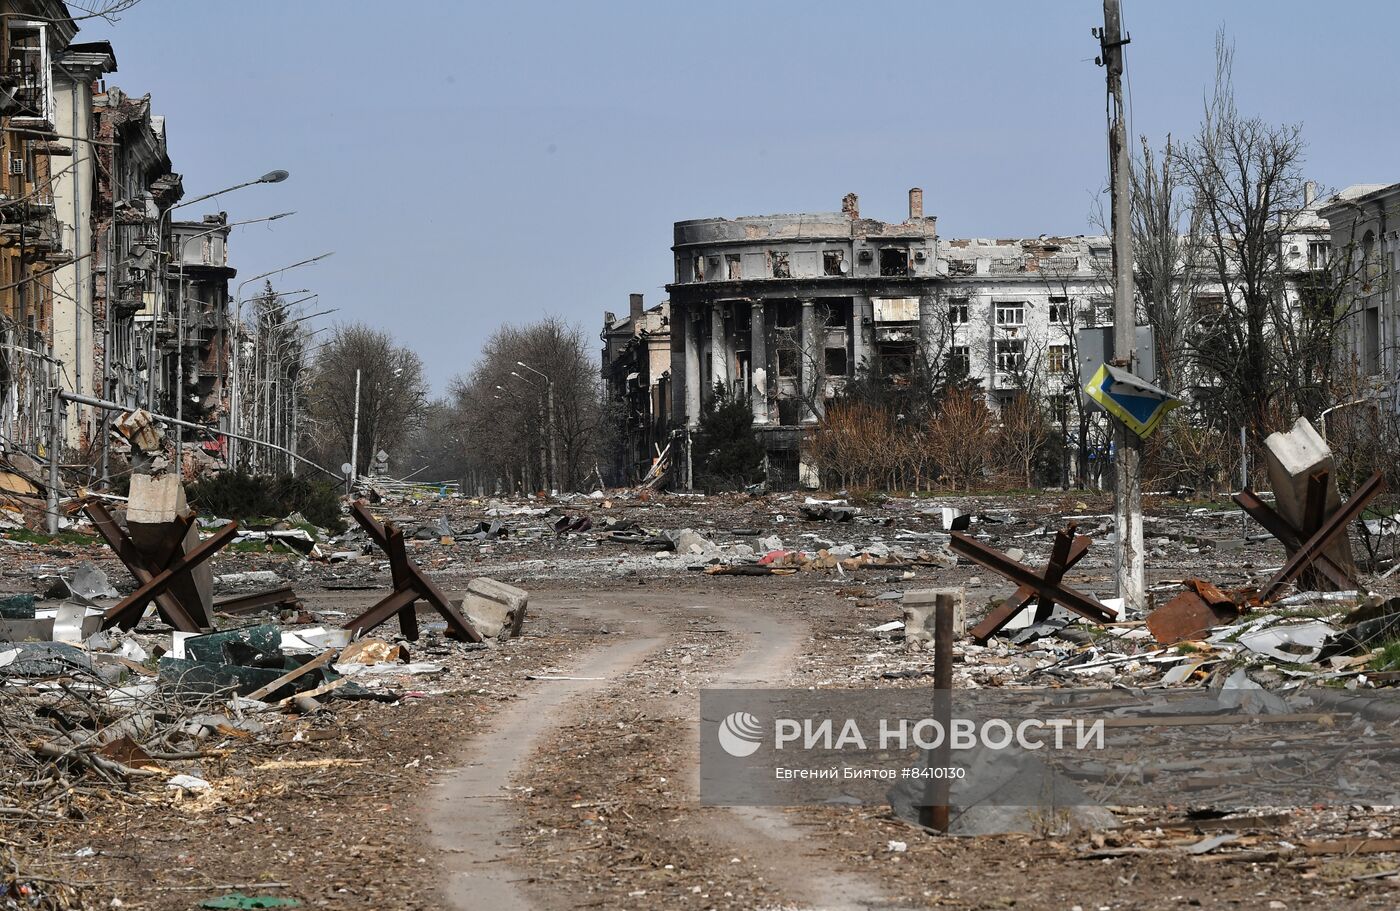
1003,613
1334,525
142,570
1023,575
161,581
246,604
1276,525
410,584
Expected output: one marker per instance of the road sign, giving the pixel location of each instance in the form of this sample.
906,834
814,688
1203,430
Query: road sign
1131,399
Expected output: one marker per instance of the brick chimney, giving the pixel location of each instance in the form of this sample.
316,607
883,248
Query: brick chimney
635,302
916,204
850,205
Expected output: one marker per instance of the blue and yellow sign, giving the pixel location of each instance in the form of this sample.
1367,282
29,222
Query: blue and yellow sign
1131,399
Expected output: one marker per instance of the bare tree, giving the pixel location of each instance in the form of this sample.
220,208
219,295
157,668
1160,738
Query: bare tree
504,408
1168,269
1247,192
393,394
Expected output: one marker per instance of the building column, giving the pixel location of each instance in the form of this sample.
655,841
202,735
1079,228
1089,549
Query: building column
806,361
690,323
719,349
860,348
758,362
928,324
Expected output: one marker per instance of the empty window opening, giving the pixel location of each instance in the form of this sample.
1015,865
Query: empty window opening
894,261
787,362
779,261
897,360
786,315
836,362
732,268
957,311
959,361
834,262
1059,310
1010,355
1371,350
698,268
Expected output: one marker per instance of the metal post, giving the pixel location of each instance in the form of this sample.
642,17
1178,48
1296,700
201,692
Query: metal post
1127,501
1244,479
934,813
553,483
355,433
55,433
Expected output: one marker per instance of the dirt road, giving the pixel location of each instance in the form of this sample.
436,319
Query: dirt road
472,813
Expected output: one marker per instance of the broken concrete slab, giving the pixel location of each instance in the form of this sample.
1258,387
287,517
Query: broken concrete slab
495,608
919,615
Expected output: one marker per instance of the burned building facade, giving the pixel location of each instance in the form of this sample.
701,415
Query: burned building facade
198,275
787,309
33,34
636,365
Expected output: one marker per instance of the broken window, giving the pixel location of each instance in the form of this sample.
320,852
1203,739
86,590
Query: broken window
787,362
698,268
1057,358
786,315
836,362
1013,314
835,316
957,311
897,359
959,361
894,261
779,262
1059,311
1319,251
731,265
1010,355
28,69
1059,408
1371,343
834,262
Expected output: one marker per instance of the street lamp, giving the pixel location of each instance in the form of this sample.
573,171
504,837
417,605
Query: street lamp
162,224
549,419
180,324
234,402
276,176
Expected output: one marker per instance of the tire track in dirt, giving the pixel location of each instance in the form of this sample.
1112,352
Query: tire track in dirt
764,836
469,812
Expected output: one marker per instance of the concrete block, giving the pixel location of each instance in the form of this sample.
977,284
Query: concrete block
496,609
156,498
1291,457
919,615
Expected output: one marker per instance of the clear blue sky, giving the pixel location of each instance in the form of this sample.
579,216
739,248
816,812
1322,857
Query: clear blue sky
480,163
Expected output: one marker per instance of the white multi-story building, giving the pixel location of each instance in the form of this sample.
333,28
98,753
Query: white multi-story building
786,309
1365,234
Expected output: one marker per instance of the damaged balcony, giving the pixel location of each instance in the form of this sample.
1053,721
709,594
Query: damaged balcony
33,227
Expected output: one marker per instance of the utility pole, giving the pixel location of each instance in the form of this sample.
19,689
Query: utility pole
355,433
1127,461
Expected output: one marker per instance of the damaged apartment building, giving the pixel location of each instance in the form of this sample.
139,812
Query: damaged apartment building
785,309
101,294
636,360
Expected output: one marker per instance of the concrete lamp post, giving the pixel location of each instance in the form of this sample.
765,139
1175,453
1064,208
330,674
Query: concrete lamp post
553,479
